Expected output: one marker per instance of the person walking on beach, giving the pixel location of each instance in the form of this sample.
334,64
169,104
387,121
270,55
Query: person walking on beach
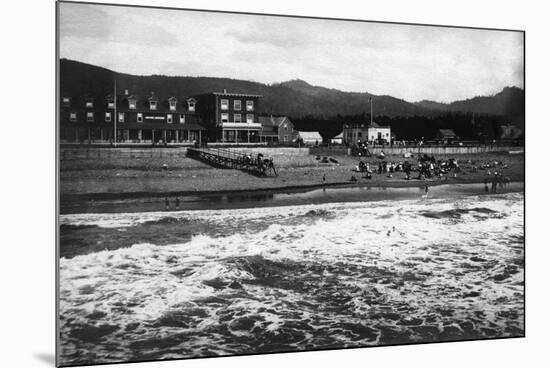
426,189
167,203
177,203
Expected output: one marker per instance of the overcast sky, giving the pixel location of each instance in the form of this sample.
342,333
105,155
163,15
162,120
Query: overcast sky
409,62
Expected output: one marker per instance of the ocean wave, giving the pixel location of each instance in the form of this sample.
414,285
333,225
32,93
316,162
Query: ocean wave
299,277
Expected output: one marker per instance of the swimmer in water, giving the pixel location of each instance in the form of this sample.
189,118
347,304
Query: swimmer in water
426,189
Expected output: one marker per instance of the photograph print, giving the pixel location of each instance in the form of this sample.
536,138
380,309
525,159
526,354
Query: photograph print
234,184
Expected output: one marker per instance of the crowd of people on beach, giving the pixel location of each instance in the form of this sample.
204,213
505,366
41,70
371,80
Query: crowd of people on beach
429,168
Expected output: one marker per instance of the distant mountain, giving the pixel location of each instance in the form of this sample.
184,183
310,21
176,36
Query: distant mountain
294,98
509,102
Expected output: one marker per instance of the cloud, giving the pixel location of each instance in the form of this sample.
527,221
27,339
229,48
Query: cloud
405,61
96,23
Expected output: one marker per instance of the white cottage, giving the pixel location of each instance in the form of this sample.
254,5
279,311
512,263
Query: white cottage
309,137
366,132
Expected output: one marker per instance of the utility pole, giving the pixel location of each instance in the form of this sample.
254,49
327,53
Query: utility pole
370,99
115,117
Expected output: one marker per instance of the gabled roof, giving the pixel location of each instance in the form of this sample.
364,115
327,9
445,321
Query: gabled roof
172,98
339,136
310,136
510,131
447,133
272,120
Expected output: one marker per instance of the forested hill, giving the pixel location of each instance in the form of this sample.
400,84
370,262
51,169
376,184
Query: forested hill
295,98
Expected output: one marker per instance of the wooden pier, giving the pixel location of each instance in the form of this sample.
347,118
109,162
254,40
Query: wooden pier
230,159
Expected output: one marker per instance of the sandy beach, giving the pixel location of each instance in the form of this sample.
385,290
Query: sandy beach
87,181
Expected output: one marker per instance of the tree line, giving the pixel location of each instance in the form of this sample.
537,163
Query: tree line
481,127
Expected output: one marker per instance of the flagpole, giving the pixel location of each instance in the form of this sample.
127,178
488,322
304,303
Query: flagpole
115,117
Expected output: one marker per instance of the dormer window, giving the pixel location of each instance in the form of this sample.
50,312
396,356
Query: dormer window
107,117
172,101
152,105
191,105
72,116
89,104
66,101
249,105
182,118
111,104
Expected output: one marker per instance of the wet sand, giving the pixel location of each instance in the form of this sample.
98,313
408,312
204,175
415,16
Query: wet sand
316,194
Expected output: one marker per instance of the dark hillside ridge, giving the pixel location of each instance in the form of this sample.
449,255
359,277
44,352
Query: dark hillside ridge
295,98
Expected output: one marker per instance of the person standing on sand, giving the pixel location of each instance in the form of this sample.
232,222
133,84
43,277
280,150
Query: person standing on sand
167,203
177,203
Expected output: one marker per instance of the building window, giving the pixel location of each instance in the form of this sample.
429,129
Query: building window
285,139
66,101
237,105
249,105
121,117
89,104
72,116
172,105
224,104
153,105
225,118
89,116
286,127
237,118
132,104
110,105
108,117
182,118
249,118
191,106
140,117
169,118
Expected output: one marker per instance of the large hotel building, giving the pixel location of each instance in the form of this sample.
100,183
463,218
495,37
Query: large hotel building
230,117
169,120
139,119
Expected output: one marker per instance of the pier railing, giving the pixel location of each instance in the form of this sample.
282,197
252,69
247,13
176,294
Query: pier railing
224,158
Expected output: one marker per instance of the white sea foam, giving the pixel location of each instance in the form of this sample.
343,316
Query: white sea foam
440,242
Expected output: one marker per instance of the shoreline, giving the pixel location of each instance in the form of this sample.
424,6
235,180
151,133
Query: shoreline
260,197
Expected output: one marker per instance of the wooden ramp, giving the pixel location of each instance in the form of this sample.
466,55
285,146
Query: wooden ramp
230,159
